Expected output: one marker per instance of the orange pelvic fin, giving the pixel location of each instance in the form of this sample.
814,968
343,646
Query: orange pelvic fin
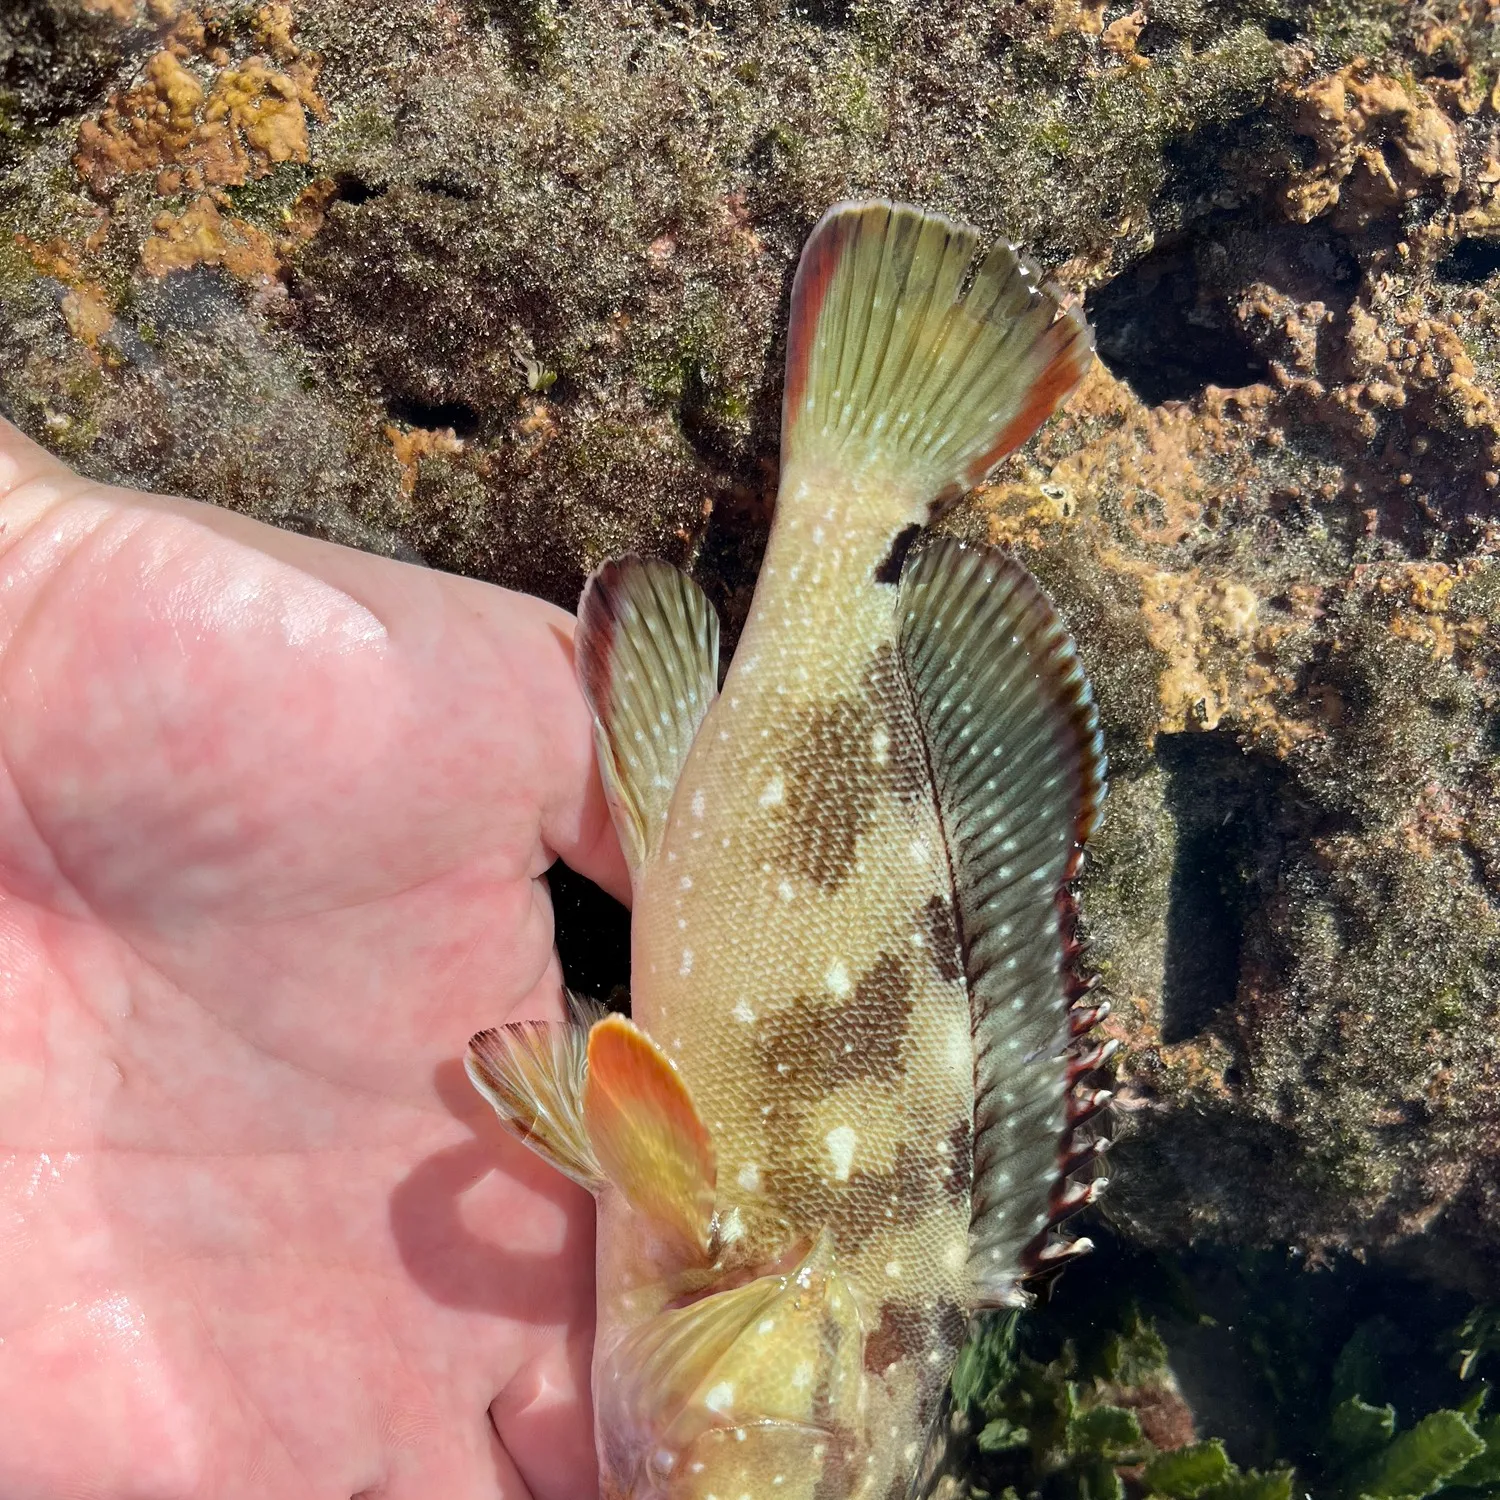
647,1134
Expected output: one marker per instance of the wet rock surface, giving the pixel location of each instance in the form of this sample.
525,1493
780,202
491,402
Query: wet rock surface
499,285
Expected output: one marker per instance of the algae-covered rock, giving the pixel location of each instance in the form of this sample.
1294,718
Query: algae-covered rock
500,285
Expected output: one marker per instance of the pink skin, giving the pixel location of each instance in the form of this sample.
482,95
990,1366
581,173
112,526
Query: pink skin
273,820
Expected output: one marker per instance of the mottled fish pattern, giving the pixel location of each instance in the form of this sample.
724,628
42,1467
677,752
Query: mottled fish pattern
841,1116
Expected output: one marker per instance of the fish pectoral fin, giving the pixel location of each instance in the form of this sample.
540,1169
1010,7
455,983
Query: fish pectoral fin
647,650
783,1350
647,1134
916,356
1013,739
532,1073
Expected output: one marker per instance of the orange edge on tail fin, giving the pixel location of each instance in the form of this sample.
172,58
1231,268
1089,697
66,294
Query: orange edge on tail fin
1057,382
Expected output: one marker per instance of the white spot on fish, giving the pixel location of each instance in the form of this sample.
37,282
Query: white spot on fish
837,978
699,803
880,746
686,966
731,1227
742,1013
817,535
773,792
960,1051
920,850
749,1177
785,890
841,1141
893,1269
765,1326
686,883
719,1397
802,1376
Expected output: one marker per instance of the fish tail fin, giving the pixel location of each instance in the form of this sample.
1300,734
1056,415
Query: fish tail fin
913,355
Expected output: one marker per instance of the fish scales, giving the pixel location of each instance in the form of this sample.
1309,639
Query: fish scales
784,939
848,998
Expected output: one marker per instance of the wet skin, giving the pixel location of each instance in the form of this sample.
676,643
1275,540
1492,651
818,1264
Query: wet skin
273,820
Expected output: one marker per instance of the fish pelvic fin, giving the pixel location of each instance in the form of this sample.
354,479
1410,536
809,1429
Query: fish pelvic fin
647,653
1012,735
916,356
532,1073
647,1134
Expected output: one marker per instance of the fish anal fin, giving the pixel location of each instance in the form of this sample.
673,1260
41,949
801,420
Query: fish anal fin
647,1134
1013,739
913,356
647,651
532,1073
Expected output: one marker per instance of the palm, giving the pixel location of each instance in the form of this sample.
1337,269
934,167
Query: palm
272,821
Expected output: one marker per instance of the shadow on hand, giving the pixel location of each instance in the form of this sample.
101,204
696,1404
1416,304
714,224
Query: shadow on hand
459,1268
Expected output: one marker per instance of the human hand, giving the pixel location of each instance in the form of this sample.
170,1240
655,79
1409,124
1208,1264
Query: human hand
273,820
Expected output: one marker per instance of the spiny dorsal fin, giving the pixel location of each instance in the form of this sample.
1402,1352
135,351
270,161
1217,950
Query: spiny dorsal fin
647,1133
532,1073
647,649
908,355
1013,739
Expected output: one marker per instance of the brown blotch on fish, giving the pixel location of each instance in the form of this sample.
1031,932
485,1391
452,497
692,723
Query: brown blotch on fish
959,1155
868,1202
901,1334
836,1041
825,807
941,932
904,770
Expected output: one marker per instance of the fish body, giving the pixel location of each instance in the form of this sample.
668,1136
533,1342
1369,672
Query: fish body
839,1119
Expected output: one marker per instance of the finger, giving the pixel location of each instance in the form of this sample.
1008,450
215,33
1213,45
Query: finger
545,1423
531,640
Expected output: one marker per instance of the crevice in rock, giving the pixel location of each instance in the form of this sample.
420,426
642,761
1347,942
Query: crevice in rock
1470,261
1155,330
435,416
1228,809
348,188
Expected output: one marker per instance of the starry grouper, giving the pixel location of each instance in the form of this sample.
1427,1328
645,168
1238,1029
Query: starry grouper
845,1113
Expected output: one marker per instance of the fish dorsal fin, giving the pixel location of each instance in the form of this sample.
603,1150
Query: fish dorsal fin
647,1134
783,1350
1017,758
911,353
532,1073
647,649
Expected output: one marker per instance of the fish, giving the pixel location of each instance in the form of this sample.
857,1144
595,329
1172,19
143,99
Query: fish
851,1104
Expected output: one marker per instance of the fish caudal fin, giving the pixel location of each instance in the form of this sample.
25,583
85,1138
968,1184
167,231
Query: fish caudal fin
1013,738
647,650
647,1133
532,1074
912,355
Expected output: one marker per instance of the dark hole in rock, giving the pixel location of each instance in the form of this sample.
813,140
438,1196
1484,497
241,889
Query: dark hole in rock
827,13
435,416
351,189
1470,261
593,935
1227,806
1155,330
1445,65
448,187
1282,29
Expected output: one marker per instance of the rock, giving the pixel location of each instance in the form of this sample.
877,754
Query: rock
500,285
